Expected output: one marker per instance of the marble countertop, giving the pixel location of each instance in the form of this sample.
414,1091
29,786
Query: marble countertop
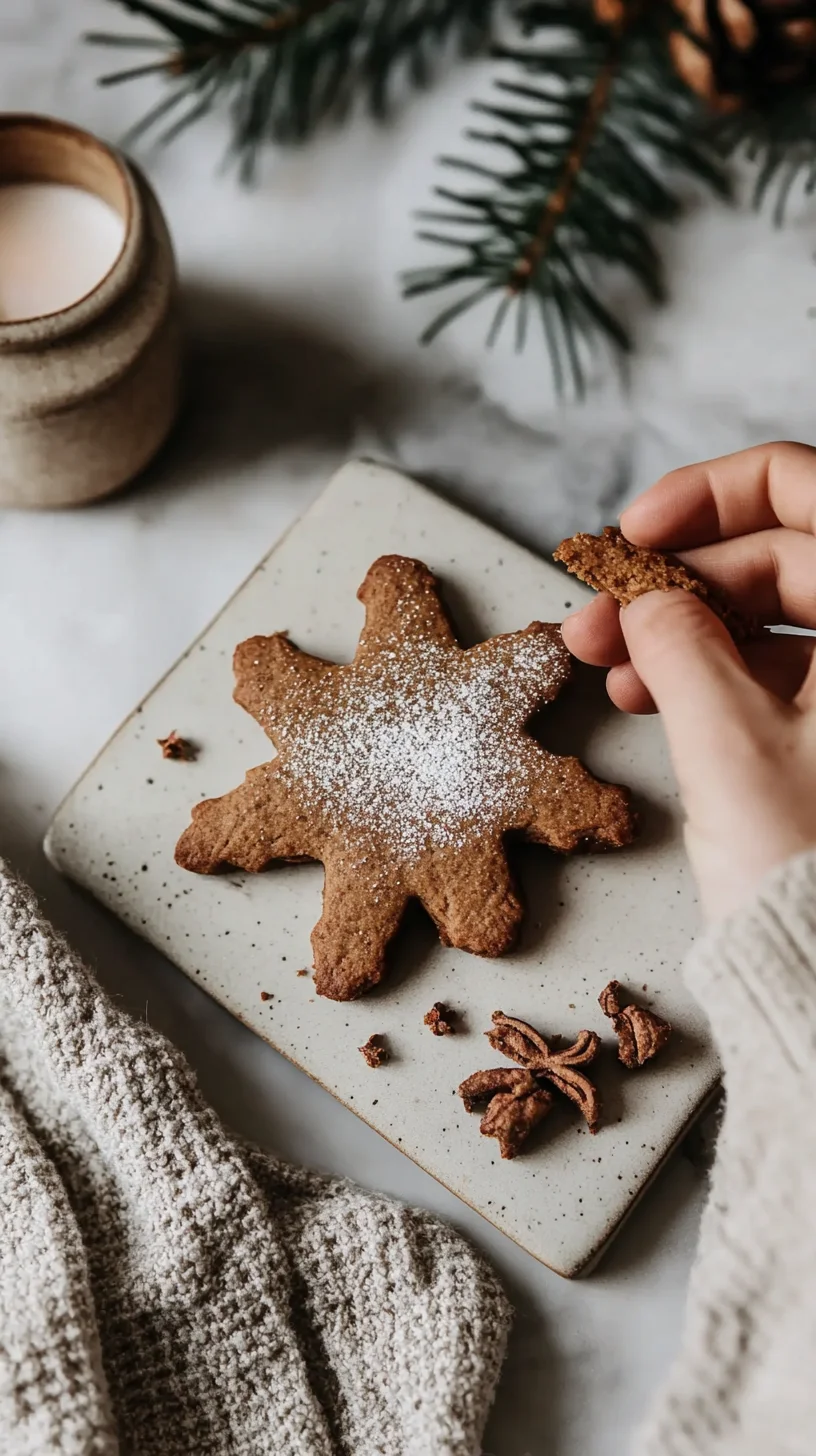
301,353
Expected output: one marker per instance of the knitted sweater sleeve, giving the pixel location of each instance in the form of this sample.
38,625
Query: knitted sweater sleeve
743,1381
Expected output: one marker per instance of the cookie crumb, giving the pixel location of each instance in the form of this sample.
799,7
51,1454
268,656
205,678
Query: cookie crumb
375,1050
302,972
440,1019
174,746
266,995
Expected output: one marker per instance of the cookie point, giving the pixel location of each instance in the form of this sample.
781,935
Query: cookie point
400,570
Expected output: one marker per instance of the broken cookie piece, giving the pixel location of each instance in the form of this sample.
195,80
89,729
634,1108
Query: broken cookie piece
641,1033
609,563
440,1019
375,1050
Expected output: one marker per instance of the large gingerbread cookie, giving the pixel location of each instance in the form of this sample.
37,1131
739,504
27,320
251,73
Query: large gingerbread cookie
403,772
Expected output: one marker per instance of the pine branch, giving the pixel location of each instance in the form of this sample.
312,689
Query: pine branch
286,66
779,138
587,127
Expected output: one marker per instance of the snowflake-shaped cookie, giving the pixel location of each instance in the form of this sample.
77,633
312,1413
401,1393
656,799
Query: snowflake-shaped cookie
403,772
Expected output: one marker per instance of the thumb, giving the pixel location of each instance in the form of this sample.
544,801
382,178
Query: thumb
690,666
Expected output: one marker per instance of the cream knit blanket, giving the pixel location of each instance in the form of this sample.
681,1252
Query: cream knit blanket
168,1291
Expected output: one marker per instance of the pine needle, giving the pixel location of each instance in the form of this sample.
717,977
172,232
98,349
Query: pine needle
286,67
588,129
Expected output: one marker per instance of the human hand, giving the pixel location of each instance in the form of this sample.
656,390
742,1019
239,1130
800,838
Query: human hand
741,726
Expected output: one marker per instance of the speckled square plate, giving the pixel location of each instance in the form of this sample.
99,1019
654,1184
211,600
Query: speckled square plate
628,914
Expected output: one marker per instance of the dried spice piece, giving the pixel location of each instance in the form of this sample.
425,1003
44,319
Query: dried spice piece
516,1104
520,1042
173,746
375,1050
641,1033
520,1099
610,563
440,1019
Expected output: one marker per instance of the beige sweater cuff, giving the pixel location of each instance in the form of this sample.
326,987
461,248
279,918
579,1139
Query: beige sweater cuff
755,972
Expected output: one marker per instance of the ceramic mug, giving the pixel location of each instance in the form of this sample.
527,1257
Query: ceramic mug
88,393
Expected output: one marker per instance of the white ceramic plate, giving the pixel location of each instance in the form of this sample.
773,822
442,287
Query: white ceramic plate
628,914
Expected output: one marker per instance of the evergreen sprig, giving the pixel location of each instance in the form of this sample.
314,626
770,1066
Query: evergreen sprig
587,142
589,124
286,66
779,139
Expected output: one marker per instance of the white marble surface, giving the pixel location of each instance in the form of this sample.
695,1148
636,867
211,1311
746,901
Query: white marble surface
301,354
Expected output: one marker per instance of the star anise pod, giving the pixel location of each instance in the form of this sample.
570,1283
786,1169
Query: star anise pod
520,1042
517,1102
641,1033
520,1099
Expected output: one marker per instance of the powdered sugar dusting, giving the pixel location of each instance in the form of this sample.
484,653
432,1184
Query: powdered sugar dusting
422,746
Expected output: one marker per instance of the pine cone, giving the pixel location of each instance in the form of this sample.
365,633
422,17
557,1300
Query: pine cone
732,52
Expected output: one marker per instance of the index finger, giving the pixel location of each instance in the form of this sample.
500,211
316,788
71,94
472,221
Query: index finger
752,490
